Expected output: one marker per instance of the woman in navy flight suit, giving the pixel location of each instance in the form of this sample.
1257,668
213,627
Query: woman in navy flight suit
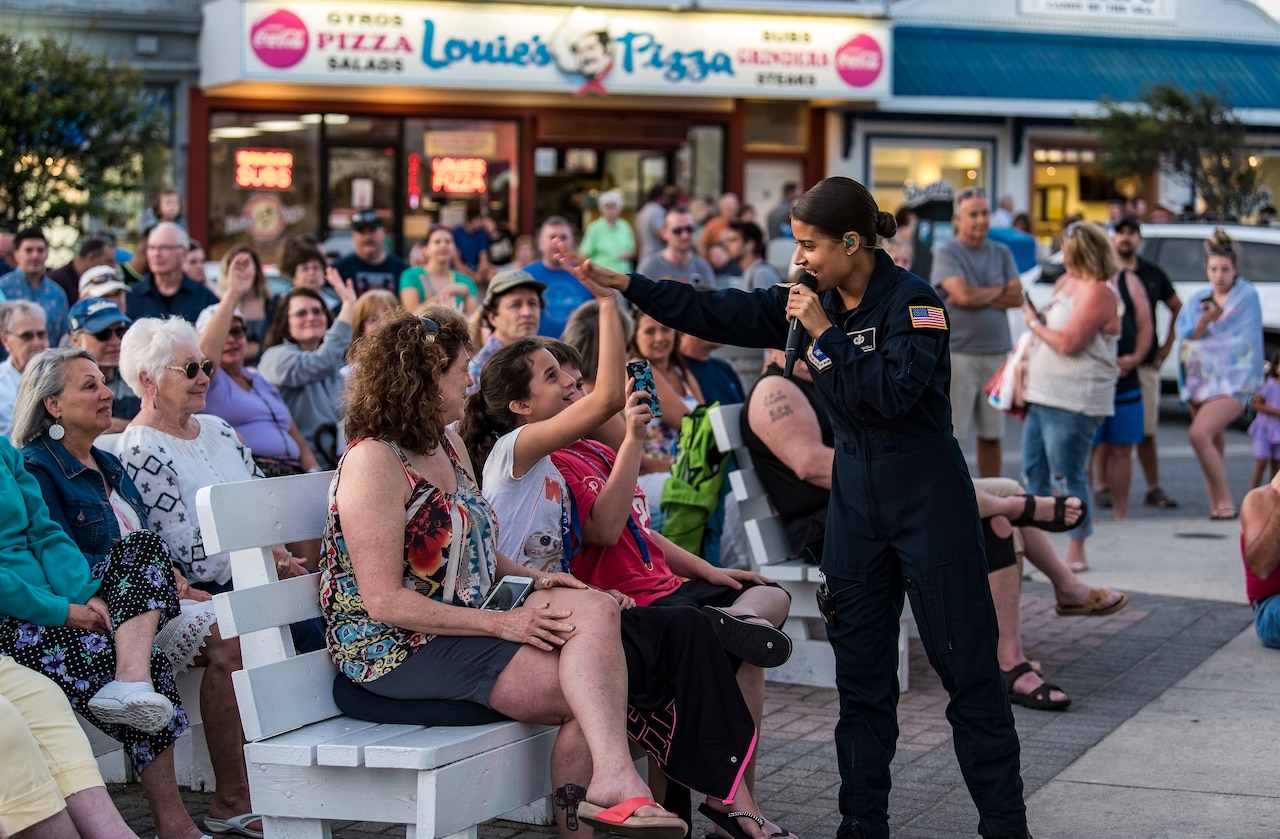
903,516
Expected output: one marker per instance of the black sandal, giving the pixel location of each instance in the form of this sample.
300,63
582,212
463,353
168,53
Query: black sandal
1038,699
1059,522
728,822
760,644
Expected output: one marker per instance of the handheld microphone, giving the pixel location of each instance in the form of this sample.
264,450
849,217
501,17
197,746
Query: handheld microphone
795,333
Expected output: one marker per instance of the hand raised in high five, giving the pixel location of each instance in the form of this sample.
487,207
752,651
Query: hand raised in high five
591,274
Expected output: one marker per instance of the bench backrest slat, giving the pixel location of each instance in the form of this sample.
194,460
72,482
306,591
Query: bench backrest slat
255,608
251,514
266,710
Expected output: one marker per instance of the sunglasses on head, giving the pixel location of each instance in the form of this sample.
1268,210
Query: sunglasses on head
679,230
191,368
432,328
971,192
107,278
106,334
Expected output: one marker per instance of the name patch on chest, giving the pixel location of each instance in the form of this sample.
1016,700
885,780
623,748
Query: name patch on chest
864,339
927,317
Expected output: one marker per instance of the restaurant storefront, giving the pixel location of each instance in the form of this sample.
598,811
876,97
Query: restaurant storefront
309,111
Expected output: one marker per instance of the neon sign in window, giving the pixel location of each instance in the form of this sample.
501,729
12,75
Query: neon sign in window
264,169
458,174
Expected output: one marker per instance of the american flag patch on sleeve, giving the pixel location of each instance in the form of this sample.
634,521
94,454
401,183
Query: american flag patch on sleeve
927,317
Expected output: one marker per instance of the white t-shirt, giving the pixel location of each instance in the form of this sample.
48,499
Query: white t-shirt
532,510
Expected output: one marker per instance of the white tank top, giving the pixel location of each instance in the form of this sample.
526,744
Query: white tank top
1085,382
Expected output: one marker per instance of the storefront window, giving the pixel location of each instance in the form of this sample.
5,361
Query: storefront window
897,165
456,165
264,182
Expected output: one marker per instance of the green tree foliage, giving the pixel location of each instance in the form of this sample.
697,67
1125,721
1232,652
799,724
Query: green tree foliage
74,129
1196,135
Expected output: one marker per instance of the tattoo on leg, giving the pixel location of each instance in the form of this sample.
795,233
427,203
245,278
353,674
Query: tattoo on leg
567,798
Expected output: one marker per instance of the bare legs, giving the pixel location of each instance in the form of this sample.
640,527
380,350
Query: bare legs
1208,422
222,731
1113,467
772,604
90,814
161,788
583,688
133,641
1068,589
1006,591
990,458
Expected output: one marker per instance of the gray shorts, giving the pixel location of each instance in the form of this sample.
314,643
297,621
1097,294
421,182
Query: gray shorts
970,373
448,667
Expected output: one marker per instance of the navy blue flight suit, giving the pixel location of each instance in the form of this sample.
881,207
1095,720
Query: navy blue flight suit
903,517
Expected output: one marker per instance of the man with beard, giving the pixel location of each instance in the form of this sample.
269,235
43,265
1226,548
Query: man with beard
1126,239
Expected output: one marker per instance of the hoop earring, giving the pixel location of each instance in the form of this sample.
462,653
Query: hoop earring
56,431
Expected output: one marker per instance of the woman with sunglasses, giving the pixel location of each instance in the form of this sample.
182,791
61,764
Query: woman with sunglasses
241,396
172,449
64,405
306,347
1072,374
1220,330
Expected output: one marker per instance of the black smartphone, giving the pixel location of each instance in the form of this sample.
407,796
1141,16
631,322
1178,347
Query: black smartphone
1208,304
1026,298
642,372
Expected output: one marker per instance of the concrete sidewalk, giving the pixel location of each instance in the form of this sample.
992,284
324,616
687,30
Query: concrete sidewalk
1173,702
1199,759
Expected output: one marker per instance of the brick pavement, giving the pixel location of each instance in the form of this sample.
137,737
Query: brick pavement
1111,667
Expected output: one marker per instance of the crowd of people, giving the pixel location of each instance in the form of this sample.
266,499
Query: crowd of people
483,387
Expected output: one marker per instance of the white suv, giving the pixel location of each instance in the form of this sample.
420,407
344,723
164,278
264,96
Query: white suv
1179,250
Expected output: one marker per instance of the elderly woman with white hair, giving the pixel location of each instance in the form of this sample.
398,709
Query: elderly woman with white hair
172,449
64,405
609,240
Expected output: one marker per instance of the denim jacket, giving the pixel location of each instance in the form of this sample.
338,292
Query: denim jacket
76,497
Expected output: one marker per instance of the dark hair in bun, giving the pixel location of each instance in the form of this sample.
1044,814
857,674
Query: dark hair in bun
839,205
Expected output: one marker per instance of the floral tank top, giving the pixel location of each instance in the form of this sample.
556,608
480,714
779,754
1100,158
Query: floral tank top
364,649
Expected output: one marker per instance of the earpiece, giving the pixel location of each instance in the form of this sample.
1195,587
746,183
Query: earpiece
849,241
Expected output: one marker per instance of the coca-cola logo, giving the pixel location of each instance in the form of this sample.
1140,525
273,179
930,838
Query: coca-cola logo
860,61
279,39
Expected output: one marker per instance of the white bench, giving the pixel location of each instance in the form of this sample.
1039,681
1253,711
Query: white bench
308,764
812,661
191,753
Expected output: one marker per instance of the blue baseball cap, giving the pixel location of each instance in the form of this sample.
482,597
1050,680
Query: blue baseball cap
94,314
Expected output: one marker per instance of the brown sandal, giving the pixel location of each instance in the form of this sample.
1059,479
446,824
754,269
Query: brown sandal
1095,607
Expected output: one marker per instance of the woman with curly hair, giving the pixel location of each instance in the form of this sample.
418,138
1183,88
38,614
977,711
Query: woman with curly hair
406,564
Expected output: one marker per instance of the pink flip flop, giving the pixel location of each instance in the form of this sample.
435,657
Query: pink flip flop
622,820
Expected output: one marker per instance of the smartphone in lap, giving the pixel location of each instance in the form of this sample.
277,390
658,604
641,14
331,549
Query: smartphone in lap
508,594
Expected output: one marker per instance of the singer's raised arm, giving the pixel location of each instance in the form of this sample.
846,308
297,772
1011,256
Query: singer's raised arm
734,317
